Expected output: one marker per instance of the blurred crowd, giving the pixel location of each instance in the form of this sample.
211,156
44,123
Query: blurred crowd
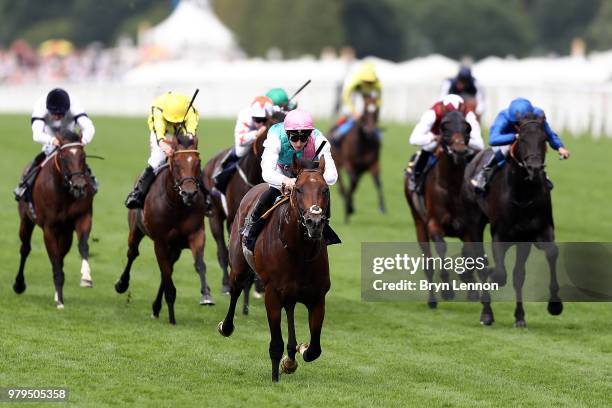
60,61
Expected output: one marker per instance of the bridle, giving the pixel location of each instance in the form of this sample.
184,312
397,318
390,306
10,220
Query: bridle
444,140
522,162
60,163
313,209
178,184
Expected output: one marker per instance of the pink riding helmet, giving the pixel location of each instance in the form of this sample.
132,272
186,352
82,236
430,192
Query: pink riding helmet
298,120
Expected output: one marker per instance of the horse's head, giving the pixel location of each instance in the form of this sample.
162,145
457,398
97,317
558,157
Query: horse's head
455,136
70,163
369,117
310,196
529,149
185,168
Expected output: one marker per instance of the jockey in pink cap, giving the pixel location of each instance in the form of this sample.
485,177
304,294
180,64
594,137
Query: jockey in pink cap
296,136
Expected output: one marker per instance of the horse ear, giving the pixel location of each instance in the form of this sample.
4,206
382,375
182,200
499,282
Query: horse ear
322,164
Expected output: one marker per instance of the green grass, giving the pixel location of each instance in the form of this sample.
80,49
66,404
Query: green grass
109,352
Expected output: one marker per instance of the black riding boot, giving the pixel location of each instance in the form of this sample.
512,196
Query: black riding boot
136,198
329,235
482,179
223,174
254,223
27,180
94,180
414,183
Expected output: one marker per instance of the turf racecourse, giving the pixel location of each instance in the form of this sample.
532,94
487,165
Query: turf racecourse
107,350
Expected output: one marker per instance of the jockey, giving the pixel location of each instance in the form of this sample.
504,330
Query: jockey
280,100
251,124
169,117
295,136
53,113
365,82
427,132
465,85
503,134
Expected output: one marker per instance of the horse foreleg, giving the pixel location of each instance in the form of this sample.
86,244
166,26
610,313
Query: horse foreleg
25,235
57,242
437,236
239,275
216,228
518,279
134,238
196,244
348,199
83,229
316,314
423,239
288,364
165,259
546,243
375,170
499,276
273,309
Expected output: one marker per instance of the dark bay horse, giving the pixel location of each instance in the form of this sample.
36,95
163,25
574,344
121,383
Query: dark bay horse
62,198
359,152
440,212
291,259
519,209
173,217
247,175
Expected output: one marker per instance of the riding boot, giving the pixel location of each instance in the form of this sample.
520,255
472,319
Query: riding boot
482,179
420,162
254,223
94,180
223,173
136,198
329,235
27,180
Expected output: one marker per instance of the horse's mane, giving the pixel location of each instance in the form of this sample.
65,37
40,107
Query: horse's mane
308,164
449,116
185,141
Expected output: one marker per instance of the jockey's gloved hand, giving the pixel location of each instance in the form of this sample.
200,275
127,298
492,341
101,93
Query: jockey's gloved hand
189,136
288,184
564,153
165,146
291,106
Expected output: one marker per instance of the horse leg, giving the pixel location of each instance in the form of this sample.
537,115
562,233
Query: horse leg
166,257
316,314
499,275
348,199
375,170
134,238
423,239
518,279
248,283
240,274
216,228
83,229
547,244
273,310
25,235
157,303
289,364
196,244
437,236
57,242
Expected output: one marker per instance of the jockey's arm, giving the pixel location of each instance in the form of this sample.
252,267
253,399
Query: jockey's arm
330,174
502,132
243,135
421,134
346,95
38,122
87,128
159,124
476,141
378,90
269,161
191,121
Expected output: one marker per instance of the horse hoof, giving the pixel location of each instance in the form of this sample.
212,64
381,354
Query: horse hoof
500,279
448,294
86,283
19,287
121,287
60,306
257,295
432,304
245,310
207,300
225,290
301,348
555,308
520,324
288,366
486,319
222,330
473,296
172,322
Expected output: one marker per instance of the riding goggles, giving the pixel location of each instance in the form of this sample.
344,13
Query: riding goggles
301,135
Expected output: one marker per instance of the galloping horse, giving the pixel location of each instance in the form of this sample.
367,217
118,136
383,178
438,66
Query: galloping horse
62,198
518,208
291,259
358,153
440,211
247,175
173,217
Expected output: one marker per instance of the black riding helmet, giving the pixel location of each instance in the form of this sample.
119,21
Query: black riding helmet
58,102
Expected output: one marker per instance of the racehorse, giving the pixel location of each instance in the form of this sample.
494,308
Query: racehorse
62,202
359,152
173,217
247,175
291,259
440,212
519,209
